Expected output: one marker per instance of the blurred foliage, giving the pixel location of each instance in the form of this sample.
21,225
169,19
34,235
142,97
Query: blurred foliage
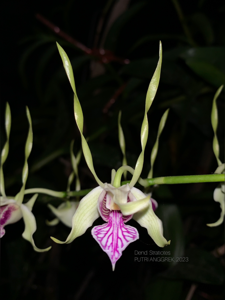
193,39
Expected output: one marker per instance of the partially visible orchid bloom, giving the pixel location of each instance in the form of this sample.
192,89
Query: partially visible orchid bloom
65,211
219,192
11,208
116,204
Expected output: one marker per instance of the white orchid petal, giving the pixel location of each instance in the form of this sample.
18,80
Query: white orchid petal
9,213
31,202
219,196
131,208
147,218
30,227
65,212
86,214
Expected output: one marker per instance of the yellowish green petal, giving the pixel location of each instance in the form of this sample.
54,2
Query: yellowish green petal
220,169
131,208
75,162
5,149
31,202
214,120
152,89
86,214
122,143
147,219
65,212
219,196
52,222
78,113
28,148
30,226
67,66
155,147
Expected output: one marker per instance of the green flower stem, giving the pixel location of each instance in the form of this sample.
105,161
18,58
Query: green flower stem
55,193
119,173
186,179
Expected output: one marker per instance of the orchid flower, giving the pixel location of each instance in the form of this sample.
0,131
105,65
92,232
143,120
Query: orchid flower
219,192
11,208
65,211
116,204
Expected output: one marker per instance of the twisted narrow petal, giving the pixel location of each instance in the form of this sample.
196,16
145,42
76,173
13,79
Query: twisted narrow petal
220,169
65,212
219,196
147,218
152,89
114,236
30,225
86,214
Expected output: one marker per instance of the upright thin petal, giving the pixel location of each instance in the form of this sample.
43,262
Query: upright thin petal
28,147
30,227
78,113
152,89
156,145
214,121
86,214
114,236
5,149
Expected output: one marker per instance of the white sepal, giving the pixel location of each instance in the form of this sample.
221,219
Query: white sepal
65,212
85,215
219,196
30,225
148,219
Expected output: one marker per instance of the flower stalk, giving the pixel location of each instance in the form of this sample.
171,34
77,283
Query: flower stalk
57,194
186,179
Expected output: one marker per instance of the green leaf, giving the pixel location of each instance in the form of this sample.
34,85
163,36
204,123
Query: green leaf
207,72
211,55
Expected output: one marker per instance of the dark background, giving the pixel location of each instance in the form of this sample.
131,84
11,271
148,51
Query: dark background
32,74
